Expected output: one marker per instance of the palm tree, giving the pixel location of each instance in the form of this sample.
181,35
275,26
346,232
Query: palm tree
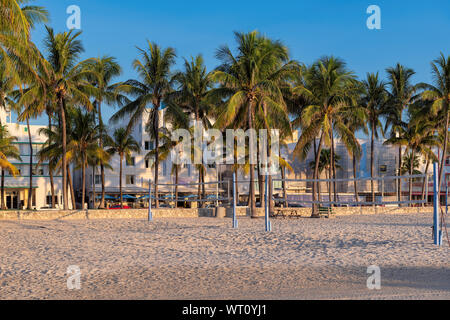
401,95
104,69
67,79
324,164
6,88
83,143
252,80
7,150
152,89
193,97
17,52
331,89
355,118
123,145
439,94
18,19
418,138
373,101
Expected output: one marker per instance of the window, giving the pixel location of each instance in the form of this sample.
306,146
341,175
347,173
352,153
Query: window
131,162
383,168
164,168
131,180
149,145
38,172
36,149
147,164
98,179
49,200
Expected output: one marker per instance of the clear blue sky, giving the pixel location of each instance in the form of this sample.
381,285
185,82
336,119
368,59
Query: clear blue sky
413,32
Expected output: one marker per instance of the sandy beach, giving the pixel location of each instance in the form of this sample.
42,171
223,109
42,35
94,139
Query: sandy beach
204,258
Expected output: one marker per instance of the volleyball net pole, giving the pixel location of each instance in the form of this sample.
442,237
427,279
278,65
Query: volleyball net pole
266,206
235,222
437,234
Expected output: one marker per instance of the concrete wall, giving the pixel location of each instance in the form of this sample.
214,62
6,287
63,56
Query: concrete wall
189,213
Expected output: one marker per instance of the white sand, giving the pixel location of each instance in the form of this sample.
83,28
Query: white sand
206,259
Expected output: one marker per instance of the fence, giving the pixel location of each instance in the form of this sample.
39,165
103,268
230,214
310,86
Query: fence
438,221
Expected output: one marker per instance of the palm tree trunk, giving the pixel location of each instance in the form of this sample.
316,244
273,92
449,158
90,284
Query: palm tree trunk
424,182
328,174
355,183
399,188
252,199
3,190
50,169
261,187
314,190
411,171
102,167
72,190
83,181
333,165
30,189
156,133
372,144
94,195
64,151
199,187
176,186
315,211
444,153
120,182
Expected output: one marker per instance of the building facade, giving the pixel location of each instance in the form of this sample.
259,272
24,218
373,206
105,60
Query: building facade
17,189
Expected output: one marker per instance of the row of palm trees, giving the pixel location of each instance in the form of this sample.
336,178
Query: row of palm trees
256,86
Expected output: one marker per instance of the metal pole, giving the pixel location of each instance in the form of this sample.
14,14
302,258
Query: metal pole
217,185
150,215
436,204
268,224
235,222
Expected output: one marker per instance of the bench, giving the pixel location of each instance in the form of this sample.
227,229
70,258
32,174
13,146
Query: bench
326,211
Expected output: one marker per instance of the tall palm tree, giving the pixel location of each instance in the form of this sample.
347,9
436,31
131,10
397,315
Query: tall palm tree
152,89
104,69
68,81
401,94
373,101
439,94
355,118
193,96
123,145
251,80
330,88
7,151
83,143
325,165
418,138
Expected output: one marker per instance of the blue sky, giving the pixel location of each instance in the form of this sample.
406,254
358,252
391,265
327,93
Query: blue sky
413,32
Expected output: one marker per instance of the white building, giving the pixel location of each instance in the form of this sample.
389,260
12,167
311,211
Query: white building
17,188
137,174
